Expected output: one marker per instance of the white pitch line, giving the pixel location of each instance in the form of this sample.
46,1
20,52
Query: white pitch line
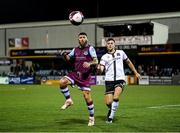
163,106
17,89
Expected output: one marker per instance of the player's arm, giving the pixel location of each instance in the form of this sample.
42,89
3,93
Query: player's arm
91,63
93,54
130,64
94,61
67,56
94,58
100,68
101,65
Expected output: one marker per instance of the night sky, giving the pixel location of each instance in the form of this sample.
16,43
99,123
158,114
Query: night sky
16,11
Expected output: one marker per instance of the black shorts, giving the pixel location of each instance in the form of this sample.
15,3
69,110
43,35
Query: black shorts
111,85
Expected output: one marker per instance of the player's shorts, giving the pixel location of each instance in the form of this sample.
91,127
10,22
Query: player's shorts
111,85
76,79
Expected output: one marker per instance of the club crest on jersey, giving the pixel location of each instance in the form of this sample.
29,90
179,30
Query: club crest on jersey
118,54
85,53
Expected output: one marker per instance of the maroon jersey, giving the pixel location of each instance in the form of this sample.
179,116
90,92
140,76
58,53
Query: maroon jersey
81,75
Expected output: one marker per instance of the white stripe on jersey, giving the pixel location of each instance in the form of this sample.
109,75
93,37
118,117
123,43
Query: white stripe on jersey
114,67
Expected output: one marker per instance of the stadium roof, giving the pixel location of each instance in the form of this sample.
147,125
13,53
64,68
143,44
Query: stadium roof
15,11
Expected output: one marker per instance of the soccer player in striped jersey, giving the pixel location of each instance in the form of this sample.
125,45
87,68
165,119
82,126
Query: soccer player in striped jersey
85,57
112,64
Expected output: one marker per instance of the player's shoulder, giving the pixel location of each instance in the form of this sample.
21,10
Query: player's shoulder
91,48
120,51
106,55
90,45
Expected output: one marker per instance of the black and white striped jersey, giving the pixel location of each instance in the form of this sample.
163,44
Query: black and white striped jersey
114,67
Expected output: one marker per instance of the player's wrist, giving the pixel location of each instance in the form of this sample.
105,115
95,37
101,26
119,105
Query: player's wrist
64,54
90,63
94,62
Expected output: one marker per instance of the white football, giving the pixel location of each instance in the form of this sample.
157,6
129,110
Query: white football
76,17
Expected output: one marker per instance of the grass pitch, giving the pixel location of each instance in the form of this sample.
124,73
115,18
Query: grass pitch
36,108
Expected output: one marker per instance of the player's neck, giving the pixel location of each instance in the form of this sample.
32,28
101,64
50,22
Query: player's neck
111,51
83,46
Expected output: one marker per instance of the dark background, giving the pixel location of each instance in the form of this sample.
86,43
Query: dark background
15,11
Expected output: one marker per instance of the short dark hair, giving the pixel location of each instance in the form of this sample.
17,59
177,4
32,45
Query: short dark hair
110,39
82,33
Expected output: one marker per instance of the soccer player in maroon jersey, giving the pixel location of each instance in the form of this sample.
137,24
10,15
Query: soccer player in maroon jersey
84,57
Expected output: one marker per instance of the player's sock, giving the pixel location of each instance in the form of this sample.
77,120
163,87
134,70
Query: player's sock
109,110
65,92
90,108
114,107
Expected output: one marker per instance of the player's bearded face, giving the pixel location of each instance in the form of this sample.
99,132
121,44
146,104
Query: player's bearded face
110,46
82,40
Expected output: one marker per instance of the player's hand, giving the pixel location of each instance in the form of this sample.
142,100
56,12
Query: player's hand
98,69
63,53
138,75
86,65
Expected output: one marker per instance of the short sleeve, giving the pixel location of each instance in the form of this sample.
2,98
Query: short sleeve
103,61
92,52
71,54
124,55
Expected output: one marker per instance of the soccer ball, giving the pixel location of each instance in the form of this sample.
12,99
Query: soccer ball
76,17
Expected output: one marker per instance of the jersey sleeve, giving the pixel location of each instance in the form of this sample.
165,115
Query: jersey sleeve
125,57
103,61
92,52
71,54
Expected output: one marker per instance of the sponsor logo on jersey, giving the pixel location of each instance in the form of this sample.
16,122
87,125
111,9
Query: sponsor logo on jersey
85,53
